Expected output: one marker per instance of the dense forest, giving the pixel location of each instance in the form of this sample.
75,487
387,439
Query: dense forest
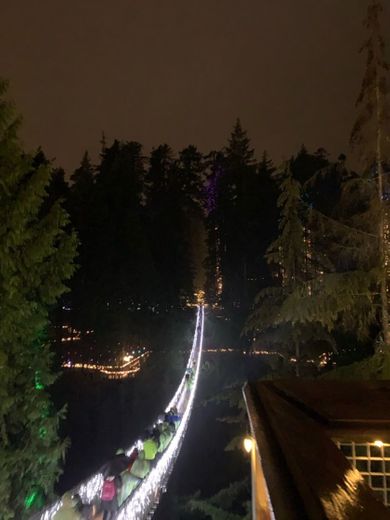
155,229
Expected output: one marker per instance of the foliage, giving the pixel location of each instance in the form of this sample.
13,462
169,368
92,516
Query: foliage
373,110
172,201
326,262
139,221
221,505
241,217
375,367
369,138
280,316
36,250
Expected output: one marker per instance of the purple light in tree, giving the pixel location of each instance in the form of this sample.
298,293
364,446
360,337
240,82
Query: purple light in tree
211,189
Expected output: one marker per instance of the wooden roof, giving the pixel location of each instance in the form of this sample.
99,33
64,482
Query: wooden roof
294,423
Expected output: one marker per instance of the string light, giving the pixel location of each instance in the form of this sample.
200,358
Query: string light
142,501
131,367
145,498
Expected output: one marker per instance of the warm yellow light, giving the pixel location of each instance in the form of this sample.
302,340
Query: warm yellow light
248,444
378,444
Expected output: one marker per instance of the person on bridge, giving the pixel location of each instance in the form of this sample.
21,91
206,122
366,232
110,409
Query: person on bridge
174,414
141,466
172,418
69,509
87,511
132,457
117,464
166,434
109,496
150,446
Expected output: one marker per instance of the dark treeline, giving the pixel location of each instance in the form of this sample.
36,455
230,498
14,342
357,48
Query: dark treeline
156,229
134,217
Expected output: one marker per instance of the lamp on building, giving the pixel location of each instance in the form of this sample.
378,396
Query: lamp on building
248,444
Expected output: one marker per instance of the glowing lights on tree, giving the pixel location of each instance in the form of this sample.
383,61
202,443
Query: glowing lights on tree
38,382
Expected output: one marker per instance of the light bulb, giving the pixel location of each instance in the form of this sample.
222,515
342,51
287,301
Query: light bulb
248,444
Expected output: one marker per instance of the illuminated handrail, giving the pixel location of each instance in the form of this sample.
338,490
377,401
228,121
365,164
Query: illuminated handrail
145,498
91,487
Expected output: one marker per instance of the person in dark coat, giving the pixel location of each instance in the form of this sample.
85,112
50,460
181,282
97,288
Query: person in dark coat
133,455
87,511
117,464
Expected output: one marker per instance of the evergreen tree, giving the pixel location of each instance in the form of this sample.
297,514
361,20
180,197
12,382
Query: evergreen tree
369,137
191,170
239,152
327,259
215,165
58,189
241,213
236,227
120,255
223,505
168,206
265,225
82,180
291,256
83,216
36,259
229,180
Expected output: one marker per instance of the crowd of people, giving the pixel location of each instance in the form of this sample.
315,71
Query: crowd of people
123,474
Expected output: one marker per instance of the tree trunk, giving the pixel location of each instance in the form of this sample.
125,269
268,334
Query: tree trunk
383,232
298,360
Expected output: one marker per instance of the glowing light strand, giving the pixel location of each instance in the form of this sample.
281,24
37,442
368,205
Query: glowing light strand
146,497
138,505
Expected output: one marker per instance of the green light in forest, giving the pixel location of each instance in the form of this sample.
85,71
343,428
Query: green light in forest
45,411
30,499
38,382
42,432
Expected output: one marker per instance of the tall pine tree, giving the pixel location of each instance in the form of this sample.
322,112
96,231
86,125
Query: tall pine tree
168,207
274,321
191,171
237,199
369,138
83,215
36,252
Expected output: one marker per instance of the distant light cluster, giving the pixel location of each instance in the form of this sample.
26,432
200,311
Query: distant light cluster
131,366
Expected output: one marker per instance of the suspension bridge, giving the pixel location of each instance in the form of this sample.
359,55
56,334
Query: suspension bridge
143,500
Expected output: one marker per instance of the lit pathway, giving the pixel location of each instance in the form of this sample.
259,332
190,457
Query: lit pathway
145,498
141,504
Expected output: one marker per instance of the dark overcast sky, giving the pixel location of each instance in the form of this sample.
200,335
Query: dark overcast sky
181,71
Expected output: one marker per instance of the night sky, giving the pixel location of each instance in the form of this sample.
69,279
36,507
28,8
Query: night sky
181,71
